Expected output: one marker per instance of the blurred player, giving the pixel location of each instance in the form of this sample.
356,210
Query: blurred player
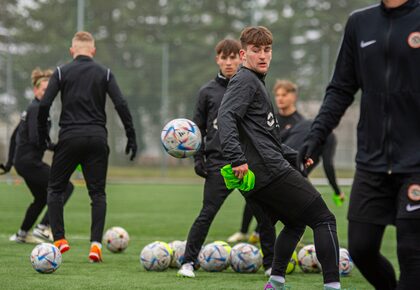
380,55
250,139
293,130
83,85
209,159
26,155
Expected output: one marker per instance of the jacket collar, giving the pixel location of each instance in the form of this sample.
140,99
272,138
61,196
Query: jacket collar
400,10
81,57
260,76
222,80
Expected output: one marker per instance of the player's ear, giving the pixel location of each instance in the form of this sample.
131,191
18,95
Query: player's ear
93,51
71,51
242,55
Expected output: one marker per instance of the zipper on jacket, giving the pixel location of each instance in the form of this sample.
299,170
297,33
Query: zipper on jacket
388,124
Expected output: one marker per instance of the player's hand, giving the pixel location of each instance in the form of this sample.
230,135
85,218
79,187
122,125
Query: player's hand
131,147
305,155
240,170
338,199
5,167
43,138
199,167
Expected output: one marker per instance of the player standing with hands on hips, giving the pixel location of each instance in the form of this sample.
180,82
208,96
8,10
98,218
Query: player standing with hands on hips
380,55
250,139
83,85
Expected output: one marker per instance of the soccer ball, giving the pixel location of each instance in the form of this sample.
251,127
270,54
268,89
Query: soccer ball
214,257
116,239
346,263
308,261
292,263
181,138
156,256
46,258
228,249
178,250
245,258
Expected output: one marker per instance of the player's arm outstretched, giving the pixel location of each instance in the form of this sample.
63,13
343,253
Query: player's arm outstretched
123,112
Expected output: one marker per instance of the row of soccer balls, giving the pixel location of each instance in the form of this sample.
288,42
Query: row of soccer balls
217,256
243,258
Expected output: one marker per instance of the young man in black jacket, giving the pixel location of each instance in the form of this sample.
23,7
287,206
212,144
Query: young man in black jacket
380,55
250,139
83,85
209,160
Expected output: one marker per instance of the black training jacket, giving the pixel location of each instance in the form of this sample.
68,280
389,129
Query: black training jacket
27,148
205,116
379,54
83,85
286,123
248,130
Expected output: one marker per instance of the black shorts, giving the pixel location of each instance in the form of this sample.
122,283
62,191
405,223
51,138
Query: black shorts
380,198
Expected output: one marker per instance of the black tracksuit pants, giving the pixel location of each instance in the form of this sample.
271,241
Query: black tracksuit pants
294,201
215,193
36,176
92,153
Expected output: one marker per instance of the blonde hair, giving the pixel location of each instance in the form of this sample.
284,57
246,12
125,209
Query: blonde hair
39,76
83,39
289,86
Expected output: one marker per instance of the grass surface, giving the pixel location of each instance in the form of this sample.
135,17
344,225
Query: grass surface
148,212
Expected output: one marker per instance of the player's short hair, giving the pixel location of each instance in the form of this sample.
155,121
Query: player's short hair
256,35
39,75
289,86
83,36
227,46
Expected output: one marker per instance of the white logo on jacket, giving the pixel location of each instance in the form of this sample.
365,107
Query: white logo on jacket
270,119
364,44
215,124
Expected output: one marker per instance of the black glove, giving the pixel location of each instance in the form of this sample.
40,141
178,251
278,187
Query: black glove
200,167
309,150
5,167
131,146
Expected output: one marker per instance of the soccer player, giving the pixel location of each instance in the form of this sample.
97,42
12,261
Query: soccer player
83,84
293,130
26,155
250,140
380,55
209,160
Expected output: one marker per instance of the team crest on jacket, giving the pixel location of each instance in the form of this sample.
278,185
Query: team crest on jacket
414,39
270,119
414,192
